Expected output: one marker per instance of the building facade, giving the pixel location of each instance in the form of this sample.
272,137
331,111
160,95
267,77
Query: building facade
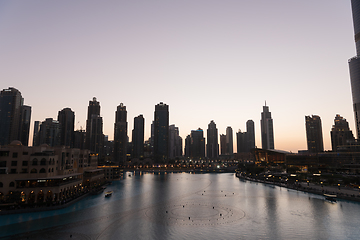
341,134
314,136
161,132
267,129
66,118
120,135
138,137
212,146
175,142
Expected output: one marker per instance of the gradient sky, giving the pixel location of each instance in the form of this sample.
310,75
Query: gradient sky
208,60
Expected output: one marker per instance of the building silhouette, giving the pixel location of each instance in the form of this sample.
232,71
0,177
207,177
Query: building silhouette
267,131
14,117
212,146
196,144
340,133
223,144
161,132
187,150
229,141
175,142
36,133
120,135
314,135
246,140
66,118
49,132
354,65
138,137
94,129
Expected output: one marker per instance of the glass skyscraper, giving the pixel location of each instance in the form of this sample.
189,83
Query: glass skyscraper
354,65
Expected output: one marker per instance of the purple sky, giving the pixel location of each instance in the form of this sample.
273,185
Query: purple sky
208,60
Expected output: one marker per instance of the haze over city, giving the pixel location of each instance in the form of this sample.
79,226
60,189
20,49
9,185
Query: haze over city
207,60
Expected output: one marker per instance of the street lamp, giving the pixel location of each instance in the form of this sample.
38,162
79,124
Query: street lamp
339,186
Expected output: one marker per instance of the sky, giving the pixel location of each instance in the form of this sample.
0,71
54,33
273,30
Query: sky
208,60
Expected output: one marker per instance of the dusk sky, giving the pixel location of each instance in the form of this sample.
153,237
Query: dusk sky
208,60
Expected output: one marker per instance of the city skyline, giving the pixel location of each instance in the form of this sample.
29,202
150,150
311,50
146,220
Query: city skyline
236,55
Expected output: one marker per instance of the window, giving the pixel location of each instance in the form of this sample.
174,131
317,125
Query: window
43,162
15,155
14,163
25,153
1,184
13,171
2,163
4,153
24,170
42,170
33,170
12,184
35,162
25,163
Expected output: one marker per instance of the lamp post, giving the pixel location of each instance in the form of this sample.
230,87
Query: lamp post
322,190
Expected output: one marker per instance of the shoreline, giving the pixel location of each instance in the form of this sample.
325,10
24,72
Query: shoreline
349,195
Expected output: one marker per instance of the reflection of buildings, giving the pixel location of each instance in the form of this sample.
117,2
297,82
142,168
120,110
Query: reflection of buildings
41,174
314,135
340,133
212,146
14,117
354,65
267,131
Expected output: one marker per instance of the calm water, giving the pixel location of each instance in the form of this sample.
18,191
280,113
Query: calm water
192,206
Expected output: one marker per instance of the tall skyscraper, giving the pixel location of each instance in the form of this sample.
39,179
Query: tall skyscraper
14,117
229,141
340,133
120,134
354,65
241,139
161,132
197,147
267,131
187,146
212,146
66,118
25,117
36,141
250,134
138,137
314,135
223,144
49,132
94,128
175,142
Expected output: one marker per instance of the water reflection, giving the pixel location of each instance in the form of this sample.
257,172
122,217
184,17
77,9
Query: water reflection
201,206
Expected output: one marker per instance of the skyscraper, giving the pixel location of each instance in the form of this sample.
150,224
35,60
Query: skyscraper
267,132
49,132
212,146
14,117
94,128
354,65
138,137
314,135
340,133
241,139
161,132
223,144
66,118
175,142
229,141
250,135
197,147
36,141
120,134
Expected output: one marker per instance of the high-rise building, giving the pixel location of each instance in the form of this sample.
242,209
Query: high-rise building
94,129
120,134
354,65
138,137
175,142
223,144
242,144
49,132
161,132
340,133
250,135
197,147
66,118
25,117
267,131
14,117
79,139
314,134
187,149
229,141
36,141
212,146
